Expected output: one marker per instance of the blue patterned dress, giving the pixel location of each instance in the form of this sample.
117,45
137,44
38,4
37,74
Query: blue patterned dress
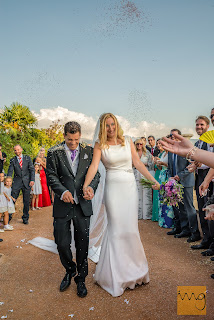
166,213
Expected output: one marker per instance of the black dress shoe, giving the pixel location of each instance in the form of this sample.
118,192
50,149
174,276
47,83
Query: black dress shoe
212,259
212,276
25,222
194,238
182,235
1,240
200,246
81,289
66,281
208,253
173,232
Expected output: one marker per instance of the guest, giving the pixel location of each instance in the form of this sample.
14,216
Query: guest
3,206
153,149
202,126
144,194
37,188
3,157
155,207
186,223
44,198
10,200
166,213
24,177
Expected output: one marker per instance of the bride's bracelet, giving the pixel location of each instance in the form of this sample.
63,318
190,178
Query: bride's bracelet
191,153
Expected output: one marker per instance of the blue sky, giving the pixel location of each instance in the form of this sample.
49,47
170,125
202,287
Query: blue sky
91,57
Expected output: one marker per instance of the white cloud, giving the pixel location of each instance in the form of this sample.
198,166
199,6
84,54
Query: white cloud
143,128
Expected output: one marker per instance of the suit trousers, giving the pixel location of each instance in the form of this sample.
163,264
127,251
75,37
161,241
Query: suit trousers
201,202
26,199
62,235
186,213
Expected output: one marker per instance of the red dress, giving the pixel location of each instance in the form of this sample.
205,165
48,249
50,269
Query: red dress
44,198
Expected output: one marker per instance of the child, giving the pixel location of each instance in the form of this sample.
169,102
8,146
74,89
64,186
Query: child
4,205
37,188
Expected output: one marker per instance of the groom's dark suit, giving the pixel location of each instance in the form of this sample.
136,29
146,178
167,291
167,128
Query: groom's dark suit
21,180
61,178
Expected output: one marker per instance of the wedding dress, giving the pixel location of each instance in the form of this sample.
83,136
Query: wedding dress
122,263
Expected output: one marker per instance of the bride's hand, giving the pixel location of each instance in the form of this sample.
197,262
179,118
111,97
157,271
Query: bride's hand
156,186
88,193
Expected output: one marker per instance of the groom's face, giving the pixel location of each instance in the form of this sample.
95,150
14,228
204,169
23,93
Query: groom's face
72,140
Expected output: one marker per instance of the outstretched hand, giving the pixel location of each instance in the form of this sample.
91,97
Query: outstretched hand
209,212
181,147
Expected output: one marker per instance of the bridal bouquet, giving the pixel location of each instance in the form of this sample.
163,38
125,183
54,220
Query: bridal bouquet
171,192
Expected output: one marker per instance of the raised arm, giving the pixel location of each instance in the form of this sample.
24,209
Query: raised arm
141,168
184,147
93,167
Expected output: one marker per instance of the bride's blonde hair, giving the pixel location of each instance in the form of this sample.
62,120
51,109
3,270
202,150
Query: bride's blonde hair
103,131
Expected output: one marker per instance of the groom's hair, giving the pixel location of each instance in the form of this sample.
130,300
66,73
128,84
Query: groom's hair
72,127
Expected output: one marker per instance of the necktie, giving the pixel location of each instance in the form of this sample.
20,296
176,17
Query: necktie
73,154
174,164
20,162
152,151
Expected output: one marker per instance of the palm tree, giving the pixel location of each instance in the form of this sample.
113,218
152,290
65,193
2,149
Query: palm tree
17,119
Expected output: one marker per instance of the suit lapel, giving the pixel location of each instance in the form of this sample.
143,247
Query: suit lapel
81,158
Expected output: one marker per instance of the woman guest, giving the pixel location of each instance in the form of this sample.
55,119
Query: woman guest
44,198
144,194
166,213
36,190
155,208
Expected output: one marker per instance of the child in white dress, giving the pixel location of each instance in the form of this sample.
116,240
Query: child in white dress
10,200
37,188
4,205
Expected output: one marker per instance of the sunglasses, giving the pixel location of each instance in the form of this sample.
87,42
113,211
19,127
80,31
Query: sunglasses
139,144
211,116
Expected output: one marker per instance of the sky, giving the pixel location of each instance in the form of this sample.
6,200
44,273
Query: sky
149,62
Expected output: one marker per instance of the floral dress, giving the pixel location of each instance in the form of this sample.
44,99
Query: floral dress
166,213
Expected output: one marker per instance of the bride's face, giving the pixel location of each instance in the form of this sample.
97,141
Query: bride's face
110,128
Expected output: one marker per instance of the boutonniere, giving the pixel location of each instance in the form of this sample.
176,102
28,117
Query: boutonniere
85,156
83,145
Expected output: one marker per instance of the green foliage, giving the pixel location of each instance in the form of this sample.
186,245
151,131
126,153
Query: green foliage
17,126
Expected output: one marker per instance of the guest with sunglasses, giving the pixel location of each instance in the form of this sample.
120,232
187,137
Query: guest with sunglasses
144,194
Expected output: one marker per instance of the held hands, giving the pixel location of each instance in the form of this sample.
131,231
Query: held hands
88,193
176,178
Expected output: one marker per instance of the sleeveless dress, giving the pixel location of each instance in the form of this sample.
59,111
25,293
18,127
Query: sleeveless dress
122,263
44,197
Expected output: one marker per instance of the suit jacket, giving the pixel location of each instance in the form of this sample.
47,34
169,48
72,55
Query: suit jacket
61,178
22,176
156,151
186,178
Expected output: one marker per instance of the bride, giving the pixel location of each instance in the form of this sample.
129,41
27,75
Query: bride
122,263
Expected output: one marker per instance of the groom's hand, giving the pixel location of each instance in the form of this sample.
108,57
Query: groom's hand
67,197
88,193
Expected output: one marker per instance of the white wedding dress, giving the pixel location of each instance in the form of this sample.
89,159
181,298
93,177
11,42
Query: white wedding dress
122,263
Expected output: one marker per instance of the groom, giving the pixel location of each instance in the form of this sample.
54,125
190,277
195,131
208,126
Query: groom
67,166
